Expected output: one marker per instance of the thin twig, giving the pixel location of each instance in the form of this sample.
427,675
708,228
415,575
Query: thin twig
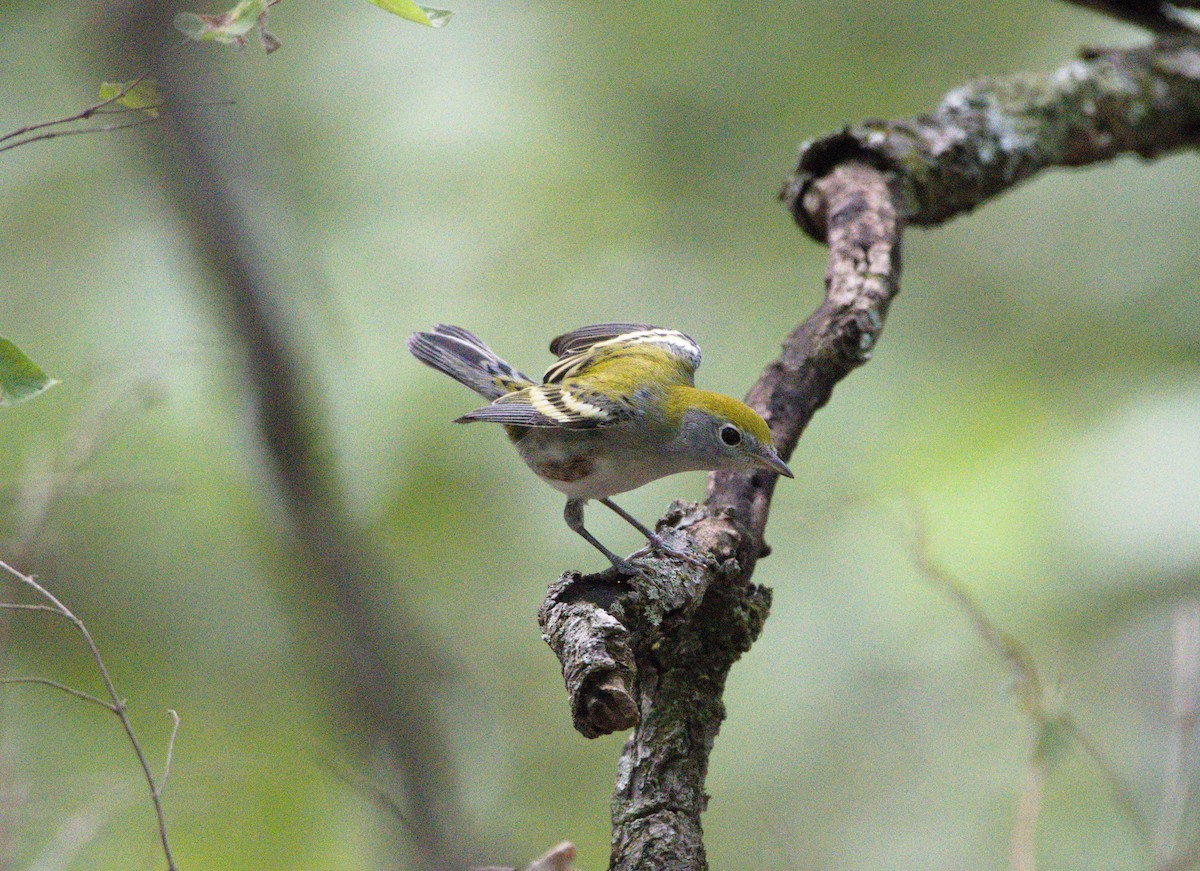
18,606
117,706
108,106
162,781
369,787
1185,704
81,115
56,134
1040,703
1122,795
45,681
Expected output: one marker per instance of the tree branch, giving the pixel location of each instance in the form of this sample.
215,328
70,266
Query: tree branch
1154,15
992,134
653,654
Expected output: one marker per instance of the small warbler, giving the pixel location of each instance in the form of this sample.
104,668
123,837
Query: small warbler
619,409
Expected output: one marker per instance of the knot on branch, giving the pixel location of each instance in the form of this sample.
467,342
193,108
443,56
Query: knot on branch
818,158
594,649
603,626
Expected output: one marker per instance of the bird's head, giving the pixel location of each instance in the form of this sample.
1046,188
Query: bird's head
719,432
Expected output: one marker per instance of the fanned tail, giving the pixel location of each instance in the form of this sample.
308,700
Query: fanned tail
467,360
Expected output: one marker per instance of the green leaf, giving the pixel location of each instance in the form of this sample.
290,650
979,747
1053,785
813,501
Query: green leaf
230,27
20,377
141,94
413,12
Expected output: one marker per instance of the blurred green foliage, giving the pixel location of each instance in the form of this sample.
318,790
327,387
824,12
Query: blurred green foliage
21,379
531,168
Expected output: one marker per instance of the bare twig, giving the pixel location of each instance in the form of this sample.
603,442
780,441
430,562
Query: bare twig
1051,724
103,128
1122,795
82,115
357,779
117,705
79,694
1039,702
1185,704
166,772
20,606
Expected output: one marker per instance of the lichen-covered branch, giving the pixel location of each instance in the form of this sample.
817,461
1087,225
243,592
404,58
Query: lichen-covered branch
994,133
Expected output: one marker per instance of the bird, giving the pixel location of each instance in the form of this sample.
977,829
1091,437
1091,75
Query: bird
617,410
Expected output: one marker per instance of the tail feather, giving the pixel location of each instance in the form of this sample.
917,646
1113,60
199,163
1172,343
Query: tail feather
461,355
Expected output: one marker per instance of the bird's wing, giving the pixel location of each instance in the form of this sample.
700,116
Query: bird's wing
580,348
553,405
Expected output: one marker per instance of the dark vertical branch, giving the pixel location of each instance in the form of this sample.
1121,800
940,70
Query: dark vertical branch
858,212
377,663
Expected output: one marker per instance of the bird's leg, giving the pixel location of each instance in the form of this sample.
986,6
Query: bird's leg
573,514
657,542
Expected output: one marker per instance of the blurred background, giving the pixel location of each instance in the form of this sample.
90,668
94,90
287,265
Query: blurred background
527,169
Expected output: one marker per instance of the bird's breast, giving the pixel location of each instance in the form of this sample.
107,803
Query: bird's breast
591,464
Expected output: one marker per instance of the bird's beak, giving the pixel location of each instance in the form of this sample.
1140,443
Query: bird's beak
768,459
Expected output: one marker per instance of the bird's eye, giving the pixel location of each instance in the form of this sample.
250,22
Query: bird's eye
731,435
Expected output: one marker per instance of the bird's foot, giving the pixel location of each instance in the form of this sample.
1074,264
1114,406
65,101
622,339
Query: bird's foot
660,544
